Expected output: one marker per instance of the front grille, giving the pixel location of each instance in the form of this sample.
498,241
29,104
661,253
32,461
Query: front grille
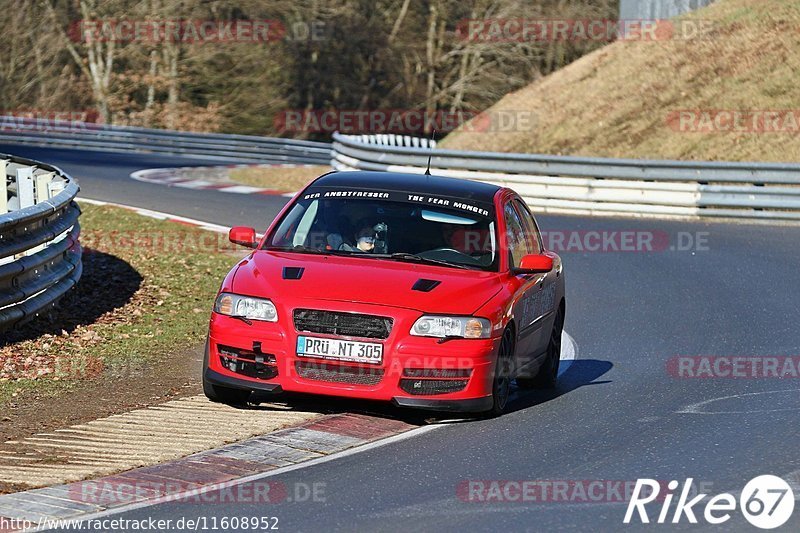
353,375
248,363
423,387
345,324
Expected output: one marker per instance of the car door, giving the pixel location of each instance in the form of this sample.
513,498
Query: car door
522,306
542,295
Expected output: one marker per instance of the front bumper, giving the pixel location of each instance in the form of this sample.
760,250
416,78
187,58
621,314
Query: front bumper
223,380
416,372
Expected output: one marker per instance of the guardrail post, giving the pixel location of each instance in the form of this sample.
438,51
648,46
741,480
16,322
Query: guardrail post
56,187
43,186
3,187
25,187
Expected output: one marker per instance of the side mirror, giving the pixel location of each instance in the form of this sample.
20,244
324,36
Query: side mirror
243,236
535,264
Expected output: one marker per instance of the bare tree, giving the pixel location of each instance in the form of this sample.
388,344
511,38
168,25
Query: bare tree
398,54
93,53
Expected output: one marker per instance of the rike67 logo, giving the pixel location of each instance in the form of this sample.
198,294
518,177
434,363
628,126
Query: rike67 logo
767,502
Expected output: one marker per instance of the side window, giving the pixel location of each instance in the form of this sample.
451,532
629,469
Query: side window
515,233
531,230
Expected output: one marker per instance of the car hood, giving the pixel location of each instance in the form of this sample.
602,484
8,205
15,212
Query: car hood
270,274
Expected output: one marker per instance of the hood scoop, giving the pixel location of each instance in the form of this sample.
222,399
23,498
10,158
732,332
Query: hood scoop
425,285
293,272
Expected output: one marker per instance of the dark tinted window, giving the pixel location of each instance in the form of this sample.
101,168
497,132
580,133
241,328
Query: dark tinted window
531,230
456,233
515,233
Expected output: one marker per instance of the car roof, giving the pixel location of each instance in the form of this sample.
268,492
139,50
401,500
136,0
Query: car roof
413,183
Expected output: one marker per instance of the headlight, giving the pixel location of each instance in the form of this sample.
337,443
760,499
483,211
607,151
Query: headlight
245,306
452,326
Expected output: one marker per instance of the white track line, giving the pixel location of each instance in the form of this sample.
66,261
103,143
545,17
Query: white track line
696,408
569,352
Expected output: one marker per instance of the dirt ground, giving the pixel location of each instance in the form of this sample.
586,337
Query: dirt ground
32,411
131,333
158,381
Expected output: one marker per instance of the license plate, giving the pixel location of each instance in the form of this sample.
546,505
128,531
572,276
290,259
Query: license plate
341,350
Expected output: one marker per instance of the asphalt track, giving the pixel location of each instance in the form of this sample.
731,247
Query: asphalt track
618,415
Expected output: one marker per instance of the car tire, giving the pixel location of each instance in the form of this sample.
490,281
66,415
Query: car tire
501,383
225,395
547,377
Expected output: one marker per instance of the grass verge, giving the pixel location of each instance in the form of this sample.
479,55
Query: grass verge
146,291
283,179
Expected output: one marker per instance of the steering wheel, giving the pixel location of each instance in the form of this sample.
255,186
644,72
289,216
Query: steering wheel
448,250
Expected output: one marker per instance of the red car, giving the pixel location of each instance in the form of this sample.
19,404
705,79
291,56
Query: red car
425,291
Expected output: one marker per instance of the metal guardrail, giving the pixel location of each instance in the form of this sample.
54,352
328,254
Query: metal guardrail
388,139
595,185
88,136
40,255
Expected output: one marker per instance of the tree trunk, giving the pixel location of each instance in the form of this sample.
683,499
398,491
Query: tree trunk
430,57
172,54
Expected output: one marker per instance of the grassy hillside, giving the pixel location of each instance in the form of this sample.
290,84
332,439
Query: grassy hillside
623,100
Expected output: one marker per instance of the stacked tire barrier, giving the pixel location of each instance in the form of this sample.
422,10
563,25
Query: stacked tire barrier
585,185
40,253
89,136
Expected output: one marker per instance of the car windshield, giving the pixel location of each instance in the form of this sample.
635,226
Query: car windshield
390,226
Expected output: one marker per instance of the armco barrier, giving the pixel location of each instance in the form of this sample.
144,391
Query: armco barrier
595,185
234,148
40,255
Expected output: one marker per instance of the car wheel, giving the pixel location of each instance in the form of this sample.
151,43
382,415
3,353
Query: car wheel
547,378
501,385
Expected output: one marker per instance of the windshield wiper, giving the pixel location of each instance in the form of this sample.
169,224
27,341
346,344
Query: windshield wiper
405,256
298,249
